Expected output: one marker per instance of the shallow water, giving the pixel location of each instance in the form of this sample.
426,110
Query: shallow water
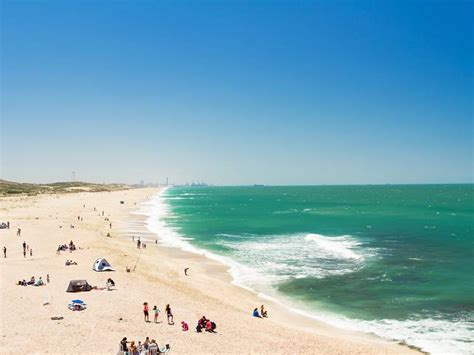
396,261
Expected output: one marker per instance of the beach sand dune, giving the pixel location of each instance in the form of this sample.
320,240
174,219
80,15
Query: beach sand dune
26,312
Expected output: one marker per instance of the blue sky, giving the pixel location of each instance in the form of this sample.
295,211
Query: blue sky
238,92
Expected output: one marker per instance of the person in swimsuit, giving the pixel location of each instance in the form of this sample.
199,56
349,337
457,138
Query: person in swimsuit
169,315
145,311
157,313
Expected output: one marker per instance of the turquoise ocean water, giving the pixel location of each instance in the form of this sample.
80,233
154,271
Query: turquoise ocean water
396,261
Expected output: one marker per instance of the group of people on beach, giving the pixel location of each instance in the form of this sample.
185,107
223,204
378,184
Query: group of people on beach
156,313
202,324
148,347
33,281
206,324
63,247
26,249
263,313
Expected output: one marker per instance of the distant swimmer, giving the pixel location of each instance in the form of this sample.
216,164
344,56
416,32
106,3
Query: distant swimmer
186,271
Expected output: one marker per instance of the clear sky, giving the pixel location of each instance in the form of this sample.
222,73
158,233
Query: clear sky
237,92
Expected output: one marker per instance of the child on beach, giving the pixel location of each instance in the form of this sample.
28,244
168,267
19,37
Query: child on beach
169,315
263,312
145,311
157,313
184,326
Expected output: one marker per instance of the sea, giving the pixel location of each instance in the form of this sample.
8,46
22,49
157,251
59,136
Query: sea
396,261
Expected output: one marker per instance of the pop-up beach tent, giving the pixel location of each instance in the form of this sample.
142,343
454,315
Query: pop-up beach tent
102,265
78,286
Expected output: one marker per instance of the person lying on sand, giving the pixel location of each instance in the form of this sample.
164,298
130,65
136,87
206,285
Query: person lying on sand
255,313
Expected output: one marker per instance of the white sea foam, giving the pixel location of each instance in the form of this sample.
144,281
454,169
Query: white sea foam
276,258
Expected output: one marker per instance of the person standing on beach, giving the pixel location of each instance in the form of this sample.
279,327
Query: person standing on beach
31,252
110,225
24,247
18,232
157,313
145,312
47,278
4,252
186,271
169,315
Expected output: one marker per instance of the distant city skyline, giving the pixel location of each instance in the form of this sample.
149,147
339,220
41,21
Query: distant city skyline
237,92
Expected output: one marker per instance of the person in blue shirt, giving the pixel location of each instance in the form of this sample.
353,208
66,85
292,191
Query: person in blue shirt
256,314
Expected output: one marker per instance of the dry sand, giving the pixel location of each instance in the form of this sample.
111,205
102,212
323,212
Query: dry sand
26,323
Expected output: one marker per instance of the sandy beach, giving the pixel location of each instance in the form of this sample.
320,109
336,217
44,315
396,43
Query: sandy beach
158,279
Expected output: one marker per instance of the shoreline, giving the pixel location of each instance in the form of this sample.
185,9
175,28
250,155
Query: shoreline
158,279
300,318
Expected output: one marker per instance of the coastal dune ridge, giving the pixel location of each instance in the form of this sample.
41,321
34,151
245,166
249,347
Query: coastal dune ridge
158,278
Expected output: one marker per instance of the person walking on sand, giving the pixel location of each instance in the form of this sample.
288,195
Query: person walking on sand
157,313
31,252
145,312
24,246
47,278
4,252
169,315
18,232
186,271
